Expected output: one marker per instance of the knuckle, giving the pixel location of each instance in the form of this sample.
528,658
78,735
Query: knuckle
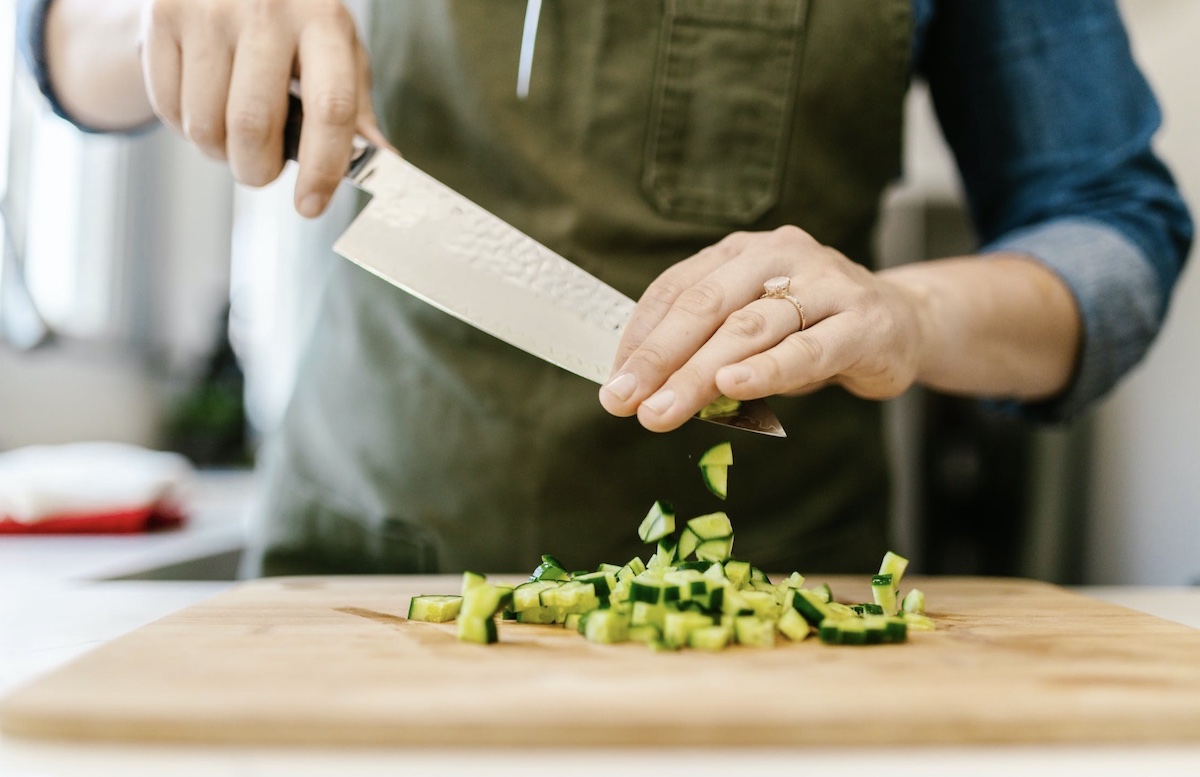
650,357
663,292
338,107
251,123
746,324
808,350
702,300
204,132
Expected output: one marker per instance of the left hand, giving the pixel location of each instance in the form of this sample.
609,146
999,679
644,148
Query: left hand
701,330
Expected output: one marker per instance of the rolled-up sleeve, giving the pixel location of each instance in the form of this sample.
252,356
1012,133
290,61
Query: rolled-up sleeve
1051,122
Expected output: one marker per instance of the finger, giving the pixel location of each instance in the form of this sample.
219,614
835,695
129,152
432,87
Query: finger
798,363
695,315
161,68
329,69
756,328
257,109
658,297
204,88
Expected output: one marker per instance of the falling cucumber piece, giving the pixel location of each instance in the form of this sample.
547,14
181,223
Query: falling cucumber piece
721,407
719,454
658,523
434,608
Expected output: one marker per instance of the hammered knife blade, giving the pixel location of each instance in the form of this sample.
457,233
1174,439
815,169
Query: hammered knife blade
427,239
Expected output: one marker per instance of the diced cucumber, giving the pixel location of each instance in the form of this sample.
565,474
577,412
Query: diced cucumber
606,626
884,592
793,626
714,526
472,579
645,633
716,477
478,630
811,606
434,608
721,407
658,523
914,601
709,638
483,601
738,572
715,550
893,564
550,569
720,454
687,544
754,631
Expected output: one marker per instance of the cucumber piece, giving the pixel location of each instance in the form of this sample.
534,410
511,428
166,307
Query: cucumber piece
715,550
479,630
645,633
714,526
914,602
720,455
893,564
738,572
677,626
793,626
830,631
853,631
709,638
665,554
482,601
550,569
721,407
687,544
658,523
433,608
754,631
917,622
472,579
897,630
884,593
716,478
606,627
810,605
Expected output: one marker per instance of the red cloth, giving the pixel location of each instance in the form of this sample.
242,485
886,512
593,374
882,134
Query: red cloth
118,522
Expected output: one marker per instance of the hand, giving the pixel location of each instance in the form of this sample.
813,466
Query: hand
701,330
218,72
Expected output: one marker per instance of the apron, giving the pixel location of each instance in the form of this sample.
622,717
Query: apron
417,444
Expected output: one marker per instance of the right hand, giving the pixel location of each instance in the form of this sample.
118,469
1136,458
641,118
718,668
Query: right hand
218,72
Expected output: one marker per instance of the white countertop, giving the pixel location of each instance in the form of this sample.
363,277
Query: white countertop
217,505
49,627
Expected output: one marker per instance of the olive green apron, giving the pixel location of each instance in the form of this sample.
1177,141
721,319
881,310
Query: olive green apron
415,443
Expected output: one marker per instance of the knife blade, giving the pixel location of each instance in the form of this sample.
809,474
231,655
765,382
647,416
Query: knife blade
422,236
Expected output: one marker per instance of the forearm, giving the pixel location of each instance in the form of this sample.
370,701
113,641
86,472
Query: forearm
93,63
1000,326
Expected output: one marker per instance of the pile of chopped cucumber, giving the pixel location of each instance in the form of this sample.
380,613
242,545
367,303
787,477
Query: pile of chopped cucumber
691,593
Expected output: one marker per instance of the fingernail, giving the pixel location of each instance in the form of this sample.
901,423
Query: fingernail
622,386
737,374
660,402
311,205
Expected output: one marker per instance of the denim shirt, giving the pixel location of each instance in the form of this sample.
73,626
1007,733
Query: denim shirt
1050,121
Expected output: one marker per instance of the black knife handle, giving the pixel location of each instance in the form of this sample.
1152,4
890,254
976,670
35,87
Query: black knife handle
363,148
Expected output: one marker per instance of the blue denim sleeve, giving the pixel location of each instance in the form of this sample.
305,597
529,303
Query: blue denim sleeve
31,41
1051,123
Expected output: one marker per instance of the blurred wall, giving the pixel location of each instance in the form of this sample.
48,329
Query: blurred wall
1145,484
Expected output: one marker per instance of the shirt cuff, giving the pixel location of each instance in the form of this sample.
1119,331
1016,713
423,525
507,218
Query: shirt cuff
1120,299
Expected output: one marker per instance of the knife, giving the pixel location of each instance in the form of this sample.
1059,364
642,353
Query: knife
422,236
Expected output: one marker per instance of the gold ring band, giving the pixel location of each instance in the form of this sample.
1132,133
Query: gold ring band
778,288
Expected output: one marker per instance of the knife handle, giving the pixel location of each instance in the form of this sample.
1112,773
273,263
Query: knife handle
363,148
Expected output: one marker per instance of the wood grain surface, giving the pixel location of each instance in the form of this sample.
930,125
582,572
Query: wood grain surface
333,661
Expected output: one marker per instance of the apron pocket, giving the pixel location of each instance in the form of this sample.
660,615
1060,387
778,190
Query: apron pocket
725,81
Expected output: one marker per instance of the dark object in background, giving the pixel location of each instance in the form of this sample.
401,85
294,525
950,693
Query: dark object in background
207,423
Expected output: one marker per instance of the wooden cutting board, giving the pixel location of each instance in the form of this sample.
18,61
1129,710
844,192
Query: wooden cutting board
333,661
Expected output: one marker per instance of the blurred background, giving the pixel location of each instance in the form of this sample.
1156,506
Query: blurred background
146,299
